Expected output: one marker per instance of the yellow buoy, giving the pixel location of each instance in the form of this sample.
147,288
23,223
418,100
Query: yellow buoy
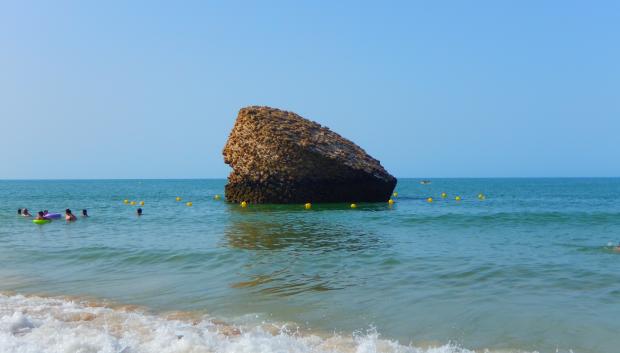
125,201
395,194
141,203
353,205
481,196
390,201
189,204
308,206
244,204
133,203
178,199
430,199
217,197
458,198
444,195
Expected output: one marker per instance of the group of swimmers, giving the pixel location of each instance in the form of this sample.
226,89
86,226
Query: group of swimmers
69,216
43,215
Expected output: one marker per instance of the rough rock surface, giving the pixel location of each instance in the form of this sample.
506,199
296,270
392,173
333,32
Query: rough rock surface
280,157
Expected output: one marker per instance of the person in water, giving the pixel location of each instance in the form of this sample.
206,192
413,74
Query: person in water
19,211
139,212
84,213
25,213
40,216
69,217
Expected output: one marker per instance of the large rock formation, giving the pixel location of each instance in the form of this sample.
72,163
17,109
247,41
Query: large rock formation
280,157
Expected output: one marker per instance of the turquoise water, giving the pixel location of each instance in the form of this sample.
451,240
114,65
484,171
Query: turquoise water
531,268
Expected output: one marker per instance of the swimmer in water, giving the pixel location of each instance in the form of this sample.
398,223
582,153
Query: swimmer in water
25,213
40,216
19,211
139,212
84,213
69,217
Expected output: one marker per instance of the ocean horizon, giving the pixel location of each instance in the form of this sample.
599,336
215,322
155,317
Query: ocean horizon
398,177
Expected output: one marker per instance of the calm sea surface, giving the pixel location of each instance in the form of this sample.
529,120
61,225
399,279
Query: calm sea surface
530,268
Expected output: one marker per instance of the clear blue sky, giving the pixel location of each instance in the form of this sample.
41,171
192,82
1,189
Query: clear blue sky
148,89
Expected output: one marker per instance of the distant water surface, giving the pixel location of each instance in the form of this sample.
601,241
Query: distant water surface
530,268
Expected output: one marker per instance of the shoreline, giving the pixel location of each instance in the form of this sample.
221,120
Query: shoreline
134,328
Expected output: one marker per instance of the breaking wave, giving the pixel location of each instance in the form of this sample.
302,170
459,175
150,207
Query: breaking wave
30,324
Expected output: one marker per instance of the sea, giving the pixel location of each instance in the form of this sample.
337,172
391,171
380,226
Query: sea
515,265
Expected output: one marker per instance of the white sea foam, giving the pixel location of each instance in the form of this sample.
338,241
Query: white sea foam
53,325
